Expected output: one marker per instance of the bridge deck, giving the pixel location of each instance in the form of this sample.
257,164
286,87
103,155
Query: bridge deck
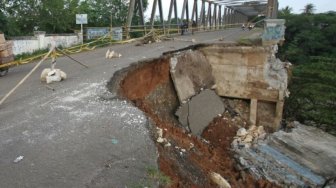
71,136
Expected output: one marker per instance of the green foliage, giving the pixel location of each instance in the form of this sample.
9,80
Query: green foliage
309,35
158,176
309,9
313,93
311,47
154,178
18,18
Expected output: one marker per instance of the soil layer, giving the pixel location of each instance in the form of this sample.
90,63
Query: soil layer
186,159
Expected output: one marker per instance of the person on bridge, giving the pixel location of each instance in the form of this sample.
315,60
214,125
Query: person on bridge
184,27
243,26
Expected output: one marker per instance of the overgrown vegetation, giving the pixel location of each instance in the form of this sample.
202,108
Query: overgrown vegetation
311,47
21,18
155,178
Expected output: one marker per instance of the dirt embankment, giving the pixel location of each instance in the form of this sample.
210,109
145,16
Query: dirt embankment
185,158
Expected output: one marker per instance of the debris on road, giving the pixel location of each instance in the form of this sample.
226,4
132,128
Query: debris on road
18,159
48,75
112,54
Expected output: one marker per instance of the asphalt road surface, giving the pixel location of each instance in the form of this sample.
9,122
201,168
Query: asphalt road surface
79,135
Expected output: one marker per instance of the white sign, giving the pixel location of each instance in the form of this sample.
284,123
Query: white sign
81,19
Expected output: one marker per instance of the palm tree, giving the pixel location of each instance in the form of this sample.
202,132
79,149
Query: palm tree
309,9
285,11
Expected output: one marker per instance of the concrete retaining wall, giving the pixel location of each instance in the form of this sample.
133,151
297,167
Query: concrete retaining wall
41,41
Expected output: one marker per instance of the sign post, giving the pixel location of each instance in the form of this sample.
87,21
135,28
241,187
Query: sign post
81,19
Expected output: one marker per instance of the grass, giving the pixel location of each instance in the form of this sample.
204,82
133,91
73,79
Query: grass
154,177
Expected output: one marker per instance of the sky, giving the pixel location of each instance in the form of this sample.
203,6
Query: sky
296,5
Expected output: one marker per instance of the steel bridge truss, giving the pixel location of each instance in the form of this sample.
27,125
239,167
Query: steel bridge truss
219,13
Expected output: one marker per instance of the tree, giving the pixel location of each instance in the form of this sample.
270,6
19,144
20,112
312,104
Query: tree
311,47
285,12
309,9
100,12
19,17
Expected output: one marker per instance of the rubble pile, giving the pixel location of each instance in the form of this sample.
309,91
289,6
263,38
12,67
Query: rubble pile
56,75
246,138
151,37
6,54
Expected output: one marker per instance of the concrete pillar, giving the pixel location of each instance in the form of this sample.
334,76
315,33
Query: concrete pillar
272,8
253,111
278,115
40,35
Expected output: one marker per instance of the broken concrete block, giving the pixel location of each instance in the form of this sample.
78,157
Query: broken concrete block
190,72
203,108
241,132
55,75
304,157
182,113
248,139
111,54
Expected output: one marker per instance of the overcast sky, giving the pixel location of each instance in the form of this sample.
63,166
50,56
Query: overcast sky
297,5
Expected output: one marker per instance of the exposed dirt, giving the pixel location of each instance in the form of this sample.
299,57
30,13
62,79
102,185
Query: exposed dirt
189,159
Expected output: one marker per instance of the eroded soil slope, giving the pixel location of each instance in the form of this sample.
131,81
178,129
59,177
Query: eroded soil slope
186,159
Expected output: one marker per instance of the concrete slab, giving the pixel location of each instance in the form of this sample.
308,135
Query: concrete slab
190,72
182,113
306,156
203,108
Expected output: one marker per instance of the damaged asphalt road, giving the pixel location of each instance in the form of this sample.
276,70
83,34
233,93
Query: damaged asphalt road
79,135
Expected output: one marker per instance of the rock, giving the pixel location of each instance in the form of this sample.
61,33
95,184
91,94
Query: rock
241,132
243,162
252,128
261,130
107,54
219,180
111,54
168,144
160,140
159,132
248,139
55,75
234,144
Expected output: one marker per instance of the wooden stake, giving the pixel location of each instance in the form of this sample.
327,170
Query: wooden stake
25,78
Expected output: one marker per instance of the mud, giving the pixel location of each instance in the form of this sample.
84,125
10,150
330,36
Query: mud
187,159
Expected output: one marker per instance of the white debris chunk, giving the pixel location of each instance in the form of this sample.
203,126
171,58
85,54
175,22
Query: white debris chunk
50,76
219,180
241,132
18,159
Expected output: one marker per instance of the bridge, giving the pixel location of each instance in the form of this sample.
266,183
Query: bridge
217,15
78,134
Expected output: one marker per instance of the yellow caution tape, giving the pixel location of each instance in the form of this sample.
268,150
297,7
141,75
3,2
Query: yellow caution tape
106,39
